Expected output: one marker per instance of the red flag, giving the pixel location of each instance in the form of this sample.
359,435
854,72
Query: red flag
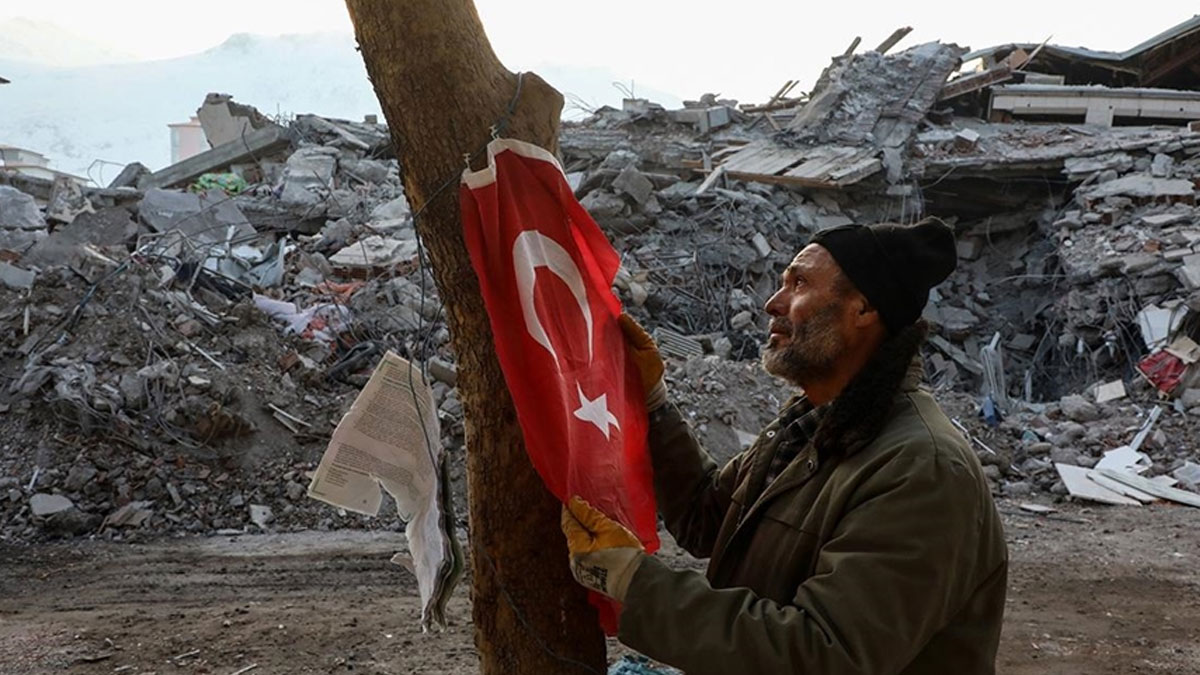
546,273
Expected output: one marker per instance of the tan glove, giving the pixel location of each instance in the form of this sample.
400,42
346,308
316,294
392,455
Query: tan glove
644,354
604,555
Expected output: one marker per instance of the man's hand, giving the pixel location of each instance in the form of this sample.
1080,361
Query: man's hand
604,555
644,354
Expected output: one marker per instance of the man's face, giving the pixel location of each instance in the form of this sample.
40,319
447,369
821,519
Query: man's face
811,316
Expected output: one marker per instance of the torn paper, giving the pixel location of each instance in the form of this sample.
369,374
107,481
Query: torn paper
390,438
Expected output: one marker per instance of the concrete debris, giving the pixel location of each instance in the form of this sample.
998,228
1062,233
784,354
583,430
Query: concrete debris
181,320
16,278
307,180
43,505
225,121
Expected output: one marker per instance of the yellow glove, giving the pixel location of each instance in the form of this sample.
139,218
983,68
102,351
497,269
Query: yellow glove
604,555
644,354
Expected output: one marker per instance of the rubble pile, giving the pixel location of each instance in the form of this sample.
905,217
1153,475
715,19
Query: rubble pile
176,348
175,360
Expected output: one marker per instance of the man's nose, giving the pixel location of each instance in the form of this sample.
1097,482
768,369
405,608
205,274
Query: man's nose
775,303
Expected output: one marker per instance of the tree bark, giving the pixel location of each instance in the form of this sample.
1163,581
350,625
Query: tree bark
441,88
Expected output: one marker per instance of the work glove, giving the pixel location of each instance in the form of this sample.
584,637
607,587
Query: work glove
644,354
604,555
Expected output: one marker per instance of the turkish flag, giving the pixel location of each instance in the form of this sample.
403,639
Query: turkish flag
546,272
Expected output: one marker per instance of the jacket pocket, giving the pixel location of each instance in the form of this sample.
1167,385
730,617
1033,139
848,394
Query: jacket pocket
779,557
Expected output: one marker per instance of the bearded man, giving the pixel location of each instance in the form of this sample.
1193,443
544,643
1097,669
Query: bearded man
857,534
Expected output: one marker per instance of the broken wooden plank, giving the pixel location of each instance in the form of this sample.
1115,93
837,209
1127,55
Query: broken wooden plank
253,146
710,180
976,81
1150,487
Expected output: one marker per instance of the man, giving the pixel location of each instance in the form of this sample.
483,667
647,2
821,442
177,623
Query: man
857,534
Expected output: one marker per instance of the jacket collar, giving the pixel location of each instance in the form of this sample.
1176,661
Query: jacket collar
852,420
860,412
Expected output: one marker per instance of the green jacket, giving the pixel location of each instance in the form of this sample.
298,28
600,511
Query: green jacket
878,550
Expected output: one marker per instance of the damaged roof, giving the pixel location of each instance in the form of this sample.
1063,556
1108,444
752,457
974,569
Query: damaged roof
1141,61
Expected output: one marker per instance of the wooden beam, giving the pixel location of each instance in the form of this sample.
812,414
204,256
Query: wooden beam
1172,64
853,46
252,146
896,36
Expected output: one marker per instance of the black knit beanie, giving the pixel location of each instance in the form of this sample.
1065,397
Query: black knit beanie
894,266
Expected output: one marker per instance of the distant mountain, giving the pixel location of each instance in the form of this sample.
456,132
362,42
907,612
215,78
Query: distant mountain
119,113
48,44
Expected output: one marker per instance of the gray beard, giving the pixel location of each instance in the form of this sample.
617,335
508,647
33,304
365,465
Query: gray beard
811,353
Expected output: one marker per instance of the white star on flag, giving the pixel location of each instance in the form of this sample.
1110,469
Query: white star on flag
596,411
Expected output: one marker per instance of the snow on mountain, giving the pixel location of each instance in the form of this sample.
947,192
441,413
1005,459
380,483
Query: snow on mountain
48,44
119,113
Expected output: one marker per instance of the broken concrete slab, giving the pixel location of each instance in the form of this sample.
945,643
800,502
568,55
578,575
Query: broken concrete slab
207,217
374,252
1151,487
110,226
255,146
1140,186
129,176
1167,219
1078,484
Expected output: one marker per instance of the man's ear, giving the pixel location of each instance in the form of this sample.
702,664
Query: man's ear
865,314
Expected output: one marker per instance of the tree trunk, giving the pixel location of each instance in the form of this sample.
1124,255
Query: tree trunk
441,88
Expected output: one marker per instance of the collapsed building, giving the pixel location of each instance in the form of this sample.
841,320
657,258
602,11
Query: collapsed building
178,345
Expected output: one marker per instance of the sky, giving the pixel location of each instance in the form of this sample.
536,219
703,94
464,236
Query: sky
743,49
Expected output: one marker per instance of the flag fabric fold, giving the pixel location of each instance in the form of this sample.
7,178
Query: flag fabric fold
545,270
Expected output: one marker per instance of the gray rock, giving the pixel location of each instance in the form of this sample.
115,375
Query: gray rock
1064,456
16,278
261,515
155,488
1161,165
393,210
20,240
307,179
633,183
44,505
741,320
617,160
79,476
368,170
1079,409
723,347
1190,398
1018,489
19,211
603,204
295,491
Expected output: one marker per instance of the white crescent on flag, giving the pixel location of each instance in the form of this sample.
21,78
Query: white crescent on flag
532,250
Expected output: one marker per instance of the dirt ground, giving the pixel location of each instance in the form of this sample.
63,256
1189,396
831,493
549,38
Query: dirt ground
1101,590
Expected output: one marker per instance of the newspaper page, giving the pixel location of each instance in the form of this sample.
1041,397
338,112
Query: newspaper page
390,438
